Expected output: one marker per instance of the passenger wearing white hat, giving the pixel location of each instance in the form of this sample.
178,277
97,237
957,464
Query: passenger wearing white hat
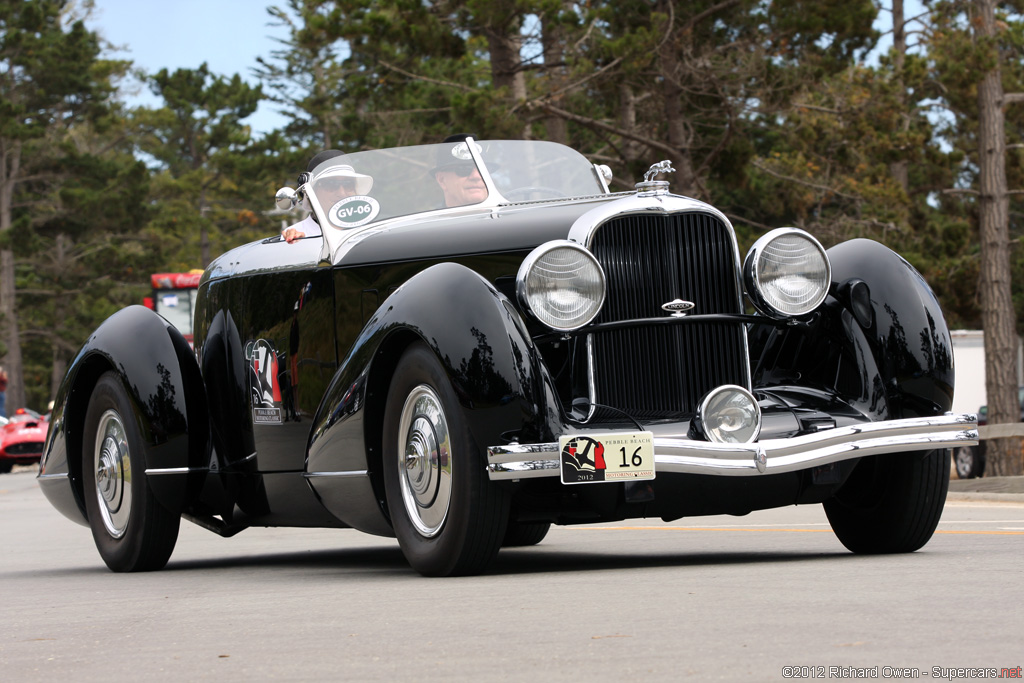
331,185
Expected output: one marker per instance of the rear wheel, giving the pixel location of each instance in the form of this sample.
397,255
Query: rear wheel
132,530
448,517
891,503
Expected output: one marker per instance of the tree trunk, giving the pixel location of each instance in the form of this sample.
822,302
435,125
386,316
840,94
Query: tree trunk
60,359
552,40
505,72
900,170
10,165
675,118
204,230
501,24
631,150
997,312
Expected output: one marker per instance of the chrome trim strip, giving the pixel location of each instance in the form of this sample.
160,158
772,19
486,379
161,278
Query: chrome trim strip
174,470
351,473
679,455
59,475
485,173
591,384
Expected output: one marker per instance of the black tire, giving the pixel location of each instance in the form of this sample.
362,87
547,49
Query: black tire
969,461
891,503
448,517
132,530
6,467
520,534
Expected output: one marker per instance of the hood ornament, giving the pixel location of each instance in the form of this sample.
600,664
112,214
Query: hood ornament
678,308
648,186
660,167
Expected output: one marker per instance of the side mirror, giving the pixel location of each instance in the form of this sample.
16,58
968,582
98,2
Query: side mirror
285,199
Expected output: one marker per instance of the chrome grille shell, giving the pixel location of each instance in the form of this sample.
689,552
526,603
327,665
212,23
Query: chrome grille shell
655,249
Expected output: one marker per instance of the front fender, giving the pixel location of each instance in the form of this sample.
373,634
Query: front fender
479,339
481,342
160,374
908,338
879,342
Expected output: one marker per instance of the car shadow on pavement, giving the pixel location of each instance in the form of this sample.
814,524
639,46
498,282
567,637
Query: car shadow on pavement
508,562
512,561
533,561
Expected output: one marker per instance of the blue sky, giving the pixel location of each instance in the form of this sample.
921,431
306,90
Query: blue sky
226,34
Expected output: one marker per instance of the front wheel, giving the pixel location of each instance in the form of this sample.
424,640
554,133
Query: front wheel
521,534
891,503
132,530
448,517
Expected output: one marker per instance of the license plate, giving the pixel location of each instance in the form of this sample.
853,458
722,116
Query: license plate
607,457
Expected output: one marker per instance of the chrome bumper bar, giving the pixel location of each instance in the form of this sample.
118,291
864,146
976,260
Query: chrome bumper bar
679,455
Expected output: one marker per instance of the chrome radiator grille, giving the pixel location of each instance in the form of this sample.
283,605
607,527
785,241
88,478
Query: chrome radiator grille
662,371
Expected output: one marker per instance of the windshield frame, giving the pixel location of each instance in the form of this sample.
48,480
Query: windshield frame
352,218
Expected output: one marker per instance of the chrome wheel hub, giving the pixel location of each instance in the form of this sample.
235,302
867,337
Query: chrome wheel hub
112,471
424,461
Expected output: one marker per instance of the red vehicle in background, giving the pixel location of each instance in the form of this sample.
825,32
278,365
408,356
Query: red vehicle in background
21,439
174,297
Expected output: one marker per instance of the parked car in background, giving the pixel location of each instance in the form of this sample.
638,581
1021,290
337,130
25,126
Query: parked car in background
969,461
21,439
460,370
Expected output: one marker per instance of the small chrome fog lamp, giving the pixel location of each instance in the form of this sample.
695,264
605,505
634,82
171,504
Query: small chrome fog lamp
728,414
786,273
562,285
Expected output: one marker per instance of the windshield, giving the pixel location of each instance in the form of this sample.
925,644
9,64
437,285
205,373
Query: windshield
175,305
358,189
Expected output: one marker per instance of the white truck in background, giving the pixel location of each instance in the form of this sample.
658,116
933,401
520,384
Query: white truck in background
969,395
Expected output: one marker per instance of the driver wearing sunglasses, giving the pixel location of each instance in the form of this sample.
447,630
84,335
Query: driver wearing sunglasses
457,175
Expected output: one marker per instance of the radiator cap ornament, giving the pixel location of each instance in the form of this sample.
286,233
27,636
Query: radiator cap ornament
648,186
678,308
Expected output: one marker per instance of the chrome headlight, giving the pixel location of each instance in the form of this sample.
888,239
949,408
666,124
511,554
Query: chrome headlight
562,285
728,414
786,273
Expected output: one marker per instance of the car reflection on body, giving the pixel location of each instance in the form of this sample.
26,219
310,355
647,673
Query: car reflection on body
461,378
21,439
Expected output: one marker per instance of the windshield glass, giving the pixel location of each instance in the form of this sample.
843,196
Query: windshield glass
175,305
368,187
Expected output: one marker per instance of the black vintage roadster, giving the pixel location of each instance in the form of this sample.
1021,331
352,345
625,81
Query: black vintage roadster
462,370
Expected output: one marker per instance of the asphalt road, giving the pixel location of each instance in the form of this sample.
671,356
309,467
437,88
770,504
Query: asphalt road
716,598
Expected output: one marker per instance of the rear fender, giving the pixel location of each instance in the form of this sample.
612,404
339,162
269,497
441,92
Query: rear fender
161,377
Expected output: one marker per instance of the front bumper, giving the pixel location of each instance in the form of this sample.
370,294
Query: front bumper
680,455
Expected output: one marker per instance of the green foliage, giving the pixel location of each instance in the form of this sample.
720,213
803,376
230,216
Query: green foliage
196,138
768,110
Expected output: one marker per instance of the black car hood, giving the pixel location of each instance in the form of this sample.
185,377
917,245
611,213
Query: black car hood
509,228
